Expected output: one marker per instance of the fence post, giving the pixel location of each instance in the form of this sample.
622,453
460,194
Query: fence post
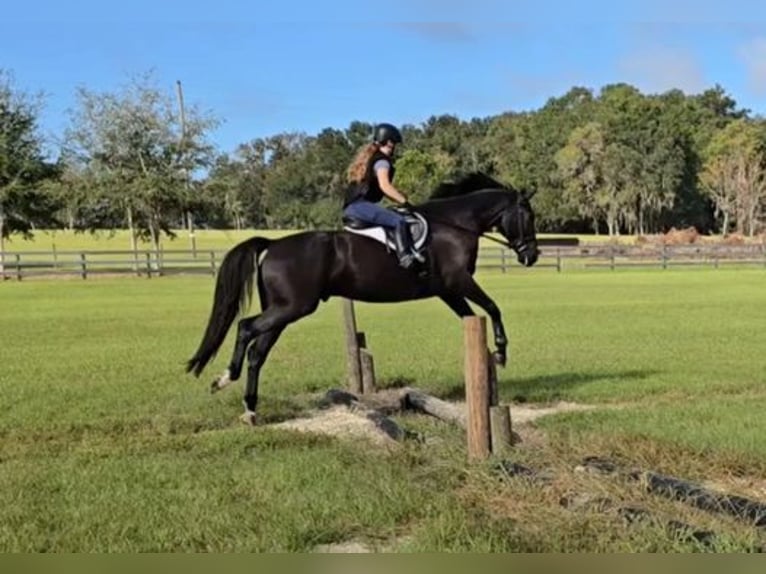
502,259
136,268
160,261
212,262
18,267
501,434
664,256
611,257
558,259
148,264
83,266
354,368
477,391
367,366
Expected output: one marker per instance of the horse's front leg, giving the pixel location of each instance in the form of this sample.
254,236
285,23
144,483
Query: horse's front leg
473,292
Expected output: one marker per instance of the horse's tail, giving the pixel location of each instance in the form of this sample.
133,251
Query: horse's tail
233,291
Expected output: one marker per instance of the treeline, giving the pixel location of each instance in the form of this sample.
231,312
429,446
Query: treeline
608,161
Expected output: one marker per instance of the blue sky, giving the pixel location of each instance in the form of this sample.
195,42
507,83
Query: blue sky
267,67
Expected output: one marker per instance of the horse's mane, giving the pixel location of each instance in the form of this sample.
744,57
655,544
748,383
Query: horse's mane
468,183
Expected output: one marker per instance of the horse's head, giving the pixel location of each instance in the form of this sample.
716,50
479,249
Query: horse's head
516,221
517,225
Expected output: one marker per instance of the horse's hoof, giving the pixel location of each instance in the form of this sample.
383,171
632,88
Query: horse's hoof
248,418
221,382
499,358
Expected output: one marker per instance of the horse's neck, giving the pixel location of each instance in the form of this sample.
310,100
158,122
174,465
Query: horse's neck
477,211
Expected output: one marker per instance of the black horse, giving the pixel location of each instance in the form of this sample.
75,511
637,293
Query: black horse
296,272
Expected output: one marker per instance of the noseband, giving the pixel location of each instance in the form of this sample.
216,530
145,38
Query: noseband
523,243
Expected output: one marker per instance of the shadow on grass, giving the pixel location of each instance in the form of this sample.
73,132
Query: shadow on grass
544,387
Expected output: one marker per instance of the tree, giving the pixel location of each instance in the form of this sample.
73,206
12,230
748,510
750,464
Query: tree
225,193
136,154
581,167
23,203
734,174
419,172
523,148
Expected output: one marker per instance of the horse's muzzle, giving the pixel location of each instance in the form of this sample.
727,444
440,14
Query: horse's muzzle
527,254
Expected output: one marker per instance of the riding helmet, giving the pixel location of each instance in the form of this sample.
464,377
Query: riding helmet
385,132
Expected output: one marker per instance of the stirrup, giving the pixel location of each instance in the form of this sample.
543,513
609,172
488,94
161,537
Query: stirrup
406,259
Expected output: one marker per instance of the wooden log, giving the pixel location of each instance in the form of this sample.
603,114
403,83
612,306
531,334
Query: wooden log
384,424
368,372
477,389
435,407
387,401
500,423
353,366
337,397
354,405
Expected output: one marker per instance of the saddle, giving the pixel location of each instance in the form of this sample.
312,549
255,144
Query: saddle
417,224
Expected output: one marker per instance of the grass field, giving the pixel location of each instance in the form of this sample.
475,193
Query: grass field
108,446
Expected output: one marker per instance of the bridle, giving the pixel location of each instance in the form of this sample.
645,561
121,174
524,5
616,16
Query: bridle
523,243
520,245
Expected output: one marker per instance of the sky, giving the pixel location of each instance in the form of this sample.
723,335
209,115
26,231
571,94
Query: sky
265,67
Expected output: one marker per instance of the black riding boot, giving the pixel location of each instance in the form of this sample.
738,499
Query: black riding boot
405,246
403,241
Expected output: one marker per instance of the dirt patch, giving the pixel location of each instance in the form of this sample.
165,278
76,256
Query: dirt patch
526,413
342,421
523,414
338,421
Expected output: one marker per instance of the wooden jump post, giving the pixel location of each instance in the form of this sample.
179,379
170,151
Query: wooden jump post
359,364
488,423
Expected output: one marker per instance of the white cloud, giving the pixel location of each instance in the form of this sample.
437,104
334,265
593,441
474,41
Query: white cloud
753,53
655,69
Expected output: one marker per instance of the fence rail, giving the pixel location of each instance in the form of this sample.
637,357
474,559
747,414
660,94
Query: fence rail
606,255
148,263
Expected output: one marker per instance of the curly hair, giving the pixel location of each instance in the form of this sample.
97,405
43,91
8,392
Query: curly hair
358,167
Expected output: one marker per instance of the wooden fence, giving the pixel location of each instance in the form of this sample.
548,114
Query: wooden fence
148,263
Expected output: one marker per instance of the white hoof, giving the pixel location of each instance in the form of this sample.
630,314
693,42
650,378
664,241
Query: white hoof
248,417
221,382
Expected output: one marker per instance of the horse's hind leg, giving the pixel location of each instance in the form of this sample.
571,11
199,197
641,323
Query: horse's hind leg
234,369
273,319
256,357
247,330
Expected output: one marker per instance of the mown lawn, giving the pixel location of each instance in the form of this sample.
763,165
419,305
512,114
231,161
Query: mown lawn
108,446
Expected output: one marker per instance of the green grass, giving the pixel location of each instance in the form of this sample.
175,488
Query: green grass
105,444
